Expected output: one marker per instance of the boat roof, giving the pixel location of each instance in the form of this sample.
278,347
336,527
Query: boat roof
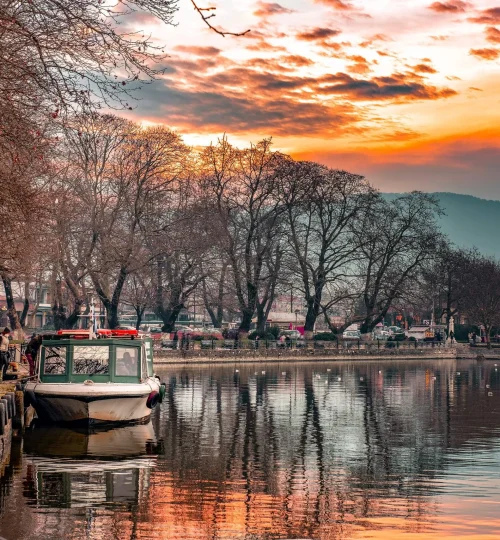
86,334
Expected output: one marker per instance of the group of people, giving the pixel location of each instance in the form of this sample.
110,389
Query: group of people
5,355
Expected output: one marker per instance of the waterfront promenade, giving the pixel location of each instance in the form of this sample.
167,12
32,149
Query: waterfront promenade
362,351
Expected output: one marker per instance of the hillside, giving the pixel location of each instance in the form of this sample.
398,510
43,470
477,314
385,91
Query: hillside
469,221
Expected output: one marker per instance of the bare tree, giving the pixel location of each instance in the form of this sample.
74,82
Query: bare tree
482,301
119,171
213,288
396,239
321,206
138,293
443,280
242,192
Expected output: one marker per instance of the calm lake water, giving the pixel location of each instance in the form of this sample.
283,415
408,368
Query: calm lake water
400,450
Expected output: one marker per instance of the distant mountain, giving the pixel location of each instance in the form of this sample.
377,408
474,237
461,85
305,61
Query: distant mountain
469,221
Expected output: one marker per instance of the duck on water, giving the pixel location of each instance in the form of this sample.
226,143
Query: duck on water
104,380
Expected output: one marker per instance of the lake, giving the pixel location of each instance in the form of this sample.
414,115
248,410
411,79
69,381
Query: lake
380,450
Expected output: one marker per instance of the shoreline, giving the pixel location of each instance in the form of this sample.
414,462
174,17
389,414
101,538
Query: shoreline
221,357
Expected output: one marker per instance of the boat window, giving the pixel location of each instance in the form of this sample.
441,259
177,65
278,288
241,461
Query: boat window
55,361
90,360
127,361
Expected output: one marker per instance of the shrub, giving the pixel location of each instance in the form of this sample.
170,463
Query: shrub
325,336
262,335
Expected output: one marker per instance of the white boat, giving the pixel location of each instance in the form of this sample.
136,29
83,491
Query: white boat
104,380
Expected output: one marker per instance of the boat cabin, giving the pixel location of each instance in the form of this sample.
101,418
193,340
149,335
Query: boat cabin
71,357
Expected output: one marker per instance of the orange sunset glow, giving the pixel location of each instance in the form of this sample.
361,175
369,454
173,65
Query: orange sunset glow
402,91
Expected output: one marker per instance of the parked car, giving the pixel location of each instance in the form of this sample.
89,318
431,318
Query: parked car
396,330
351,334
381,334
291,334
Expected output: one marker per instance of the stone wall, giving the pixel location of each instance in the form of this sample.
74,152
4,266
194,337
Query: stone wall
221,356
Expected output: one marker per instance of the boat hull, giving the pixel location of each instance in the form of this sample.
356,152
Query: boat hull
105,403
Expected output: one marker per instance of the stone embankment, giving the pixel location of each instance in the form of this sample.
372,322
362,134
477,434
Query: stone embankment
222,356
480,352
11,418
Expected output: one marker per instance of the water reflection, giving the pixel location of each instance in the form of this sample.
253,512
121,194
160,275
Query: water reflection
379,450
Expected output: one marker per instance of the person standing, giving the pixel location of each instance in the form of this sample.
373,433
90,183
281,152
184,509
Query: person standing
4,352
32,351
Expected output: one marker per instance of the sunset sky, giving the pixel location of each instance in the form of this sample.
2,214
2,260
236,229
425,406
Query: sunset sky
405,92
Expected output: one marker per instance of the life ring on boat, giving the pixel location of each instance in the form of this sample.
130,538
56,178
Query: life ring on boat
153,400
163,391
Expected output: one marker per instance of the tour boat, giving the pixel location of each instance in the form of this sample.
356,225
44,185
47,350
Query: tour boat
105,380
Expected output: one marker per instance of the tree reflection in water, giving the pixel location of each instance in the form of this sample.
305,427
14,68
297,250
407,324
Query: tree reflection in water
245,455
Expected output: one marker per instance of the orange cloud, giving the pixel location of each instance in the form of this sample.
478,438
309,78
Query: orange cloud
317,34
339,5
485,54
268,9
492,34
454,6
424,68
487,16
397,87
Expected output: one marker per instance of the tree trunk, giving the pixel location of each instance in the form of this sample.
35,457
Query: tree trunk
261,319
139,311
15,324
248,310
313,309
246,321
487,336
26,304
72,319
169,317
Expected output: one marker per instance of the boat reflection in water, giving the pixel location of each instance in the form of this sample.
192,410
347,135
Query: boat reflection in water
75,468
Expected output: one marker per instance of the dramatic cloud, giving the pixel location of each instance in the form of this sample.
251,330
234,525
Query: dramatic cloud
488,16
424,68
485,54
398,87
360,64
455,6
321,75
213,112
492,34
318,34
268,9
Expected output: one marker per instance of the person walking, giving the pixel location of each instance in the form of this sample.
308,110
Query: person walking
4,352
32,351
452,337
